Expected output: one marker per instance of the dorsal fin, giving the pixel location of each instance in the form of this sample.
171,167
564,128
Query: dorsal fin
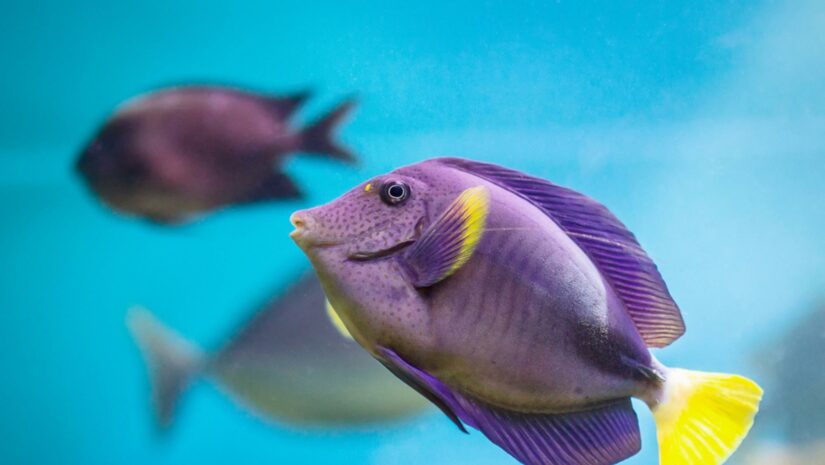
614,249
285,105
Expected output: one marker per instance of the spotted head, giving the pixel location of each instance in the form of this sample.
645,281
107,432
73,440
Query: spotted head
375,217
362,245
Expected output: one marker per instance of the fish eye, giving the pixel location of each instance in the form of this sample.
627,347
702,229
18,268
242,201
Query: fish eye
395,193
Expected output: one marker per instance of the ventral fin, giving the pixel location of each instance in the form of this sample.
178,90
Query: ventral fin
336,320
615,250
431,388
600,436
450,241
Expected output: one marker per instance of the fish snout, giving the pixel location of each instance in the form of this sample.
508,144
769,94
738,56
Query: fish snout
85,165
92,164
305,228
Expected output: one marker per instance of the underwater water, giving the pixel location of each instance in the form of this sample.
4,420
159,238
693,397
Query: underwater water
700,124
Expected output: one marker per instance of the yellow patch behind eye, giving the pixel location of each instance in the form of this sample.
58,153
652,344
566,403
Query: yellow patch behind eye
472,207
368,187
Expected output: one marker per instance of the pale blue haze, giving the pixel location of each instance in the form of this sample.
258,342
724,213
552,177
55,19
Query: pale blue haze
701,124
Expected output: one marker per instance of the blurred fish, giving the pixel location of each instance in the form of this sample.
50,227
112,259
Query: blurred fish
523,309
172,154
794,369
288,364
786,454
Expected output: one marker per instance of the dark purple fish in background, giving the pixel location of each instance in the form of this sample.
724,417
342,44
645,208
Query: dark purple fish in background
179,152
522,309
287,364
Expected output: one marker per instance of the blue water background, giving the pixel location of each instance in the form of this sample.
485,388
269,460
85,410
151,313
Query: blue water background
700,124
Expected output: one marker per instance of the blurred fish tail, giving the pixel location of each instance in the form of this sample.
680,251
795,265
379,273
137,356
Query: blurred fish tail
318,137
701,418
172,361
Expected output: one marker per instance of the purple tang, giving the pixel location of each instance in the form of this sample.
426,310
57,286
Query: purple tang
522,309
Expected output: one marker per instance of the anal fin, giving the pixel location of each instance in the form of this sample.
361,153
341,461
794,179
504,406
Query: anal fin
603,435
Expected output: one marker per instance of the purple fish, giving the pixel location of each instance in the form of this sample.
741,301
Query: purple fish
522,309
178,152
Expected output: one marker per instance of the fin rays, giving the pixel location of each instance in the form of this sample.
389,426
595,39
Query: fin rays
609,244
447,244
704,416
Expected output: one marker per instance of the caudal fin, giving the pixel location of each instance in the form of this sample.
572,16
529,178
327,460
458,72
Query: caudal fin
172,361
318,137
703,417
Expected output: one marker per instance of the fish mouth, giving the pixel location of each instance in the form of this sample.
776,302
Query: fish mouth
299,234
302,234
372,255
364,256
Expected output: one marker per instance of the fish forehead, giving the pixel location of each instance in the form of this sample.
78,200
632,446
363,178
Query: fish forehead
360,210
438,176
445,183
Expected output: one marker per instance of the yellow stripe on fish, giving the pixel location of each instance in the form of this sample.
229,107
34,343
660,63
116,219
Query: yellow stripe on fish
449,242
473,206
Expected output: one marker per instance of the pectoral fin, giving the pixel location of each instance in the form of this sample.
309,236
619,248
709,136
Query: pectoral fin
450,241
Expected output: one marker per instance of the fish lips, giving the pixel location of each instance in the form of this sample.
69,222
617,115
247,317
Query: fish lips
303,232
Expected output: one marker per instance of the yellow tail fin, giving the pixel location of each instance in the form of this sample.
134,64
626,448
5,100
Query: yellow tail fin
703,417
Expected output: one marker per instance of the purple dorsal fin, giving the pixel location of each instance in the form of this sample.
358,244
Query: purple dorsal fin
614,249
601,436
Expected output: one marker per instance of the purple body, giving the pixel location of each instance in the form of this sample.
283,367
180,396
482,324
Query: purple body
545,328
182,151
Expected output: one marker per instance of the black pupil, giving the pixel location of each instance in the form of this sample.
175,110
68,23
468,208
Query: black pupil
396,191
